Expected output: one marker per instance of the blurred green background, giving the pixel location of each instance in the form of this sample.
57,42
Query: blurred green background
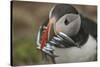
26,19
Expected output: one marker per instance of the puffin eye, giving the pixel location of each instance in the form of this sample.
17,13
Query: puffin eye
66,22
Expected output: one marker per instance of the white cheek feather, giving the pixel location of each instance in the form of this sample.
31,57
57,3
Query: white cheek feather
72,28
86,53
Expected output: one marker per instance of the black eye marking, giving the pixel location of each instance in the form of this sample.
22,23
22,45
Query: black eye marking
66,22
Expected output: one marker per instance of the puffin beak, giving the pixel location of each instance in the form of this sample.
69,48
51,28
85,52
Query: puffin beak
47,33
50,25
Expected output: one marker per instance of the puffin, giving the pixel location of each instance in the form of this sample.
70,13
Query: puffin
68,36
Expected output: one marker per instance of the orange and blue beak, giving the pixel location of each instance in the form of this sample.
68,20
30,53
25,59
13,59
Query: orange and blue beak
46,33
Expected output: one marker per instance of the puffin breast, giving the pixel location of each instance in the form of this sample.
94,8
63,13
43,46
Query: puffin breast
74,54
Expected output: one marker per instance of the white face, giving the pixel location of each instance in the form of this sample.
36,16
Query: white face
68,24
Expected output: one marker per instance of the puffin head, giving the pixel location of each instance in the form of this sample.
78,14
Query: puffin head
65,18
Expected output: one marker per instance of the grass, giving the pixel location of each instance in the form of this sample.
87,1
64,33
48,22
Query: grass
24,52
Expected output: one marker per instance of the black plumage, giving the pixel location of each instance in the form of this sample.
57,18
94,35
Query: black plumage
89,26
62,9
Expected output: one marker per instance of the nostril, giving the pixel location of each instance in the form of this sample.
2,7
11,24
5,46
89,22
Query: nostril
66,22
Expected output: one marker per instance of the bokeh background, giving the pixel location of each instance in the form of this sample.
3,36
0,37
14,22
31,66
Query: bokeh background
26,19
